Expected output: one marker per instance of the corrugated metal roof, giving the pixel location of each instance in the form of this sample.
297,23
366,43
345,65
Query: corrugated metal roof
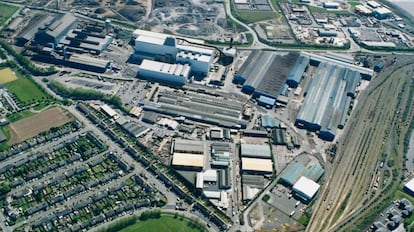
61,25
298,69
266,71
303,165
255,150
189,146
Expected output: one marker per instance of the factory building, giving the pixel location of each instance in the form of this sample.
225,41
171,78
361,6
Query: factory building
109,111
362,10
188,154
28,33
188,161
220,154
264,73
224,179
56,31
83,62
200,59
382,13
373,4
331,5
296,74
323,112
302,165
255,151
409,187
327,33
82,40
305,189
158,46
171,74
154,43
257,166
205,109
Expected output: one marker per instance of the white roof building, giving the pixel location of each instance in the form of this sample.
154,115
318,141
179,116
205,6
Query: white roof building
373,4
109,111
409,187
175,74
212,194
199,180
306,188
210,175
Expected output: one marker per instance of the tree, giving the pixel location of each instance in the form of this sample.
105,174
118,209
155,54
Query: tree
4,187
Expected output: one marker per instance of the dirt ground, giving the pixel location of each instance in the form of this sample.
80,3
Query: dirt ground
7,75
33,125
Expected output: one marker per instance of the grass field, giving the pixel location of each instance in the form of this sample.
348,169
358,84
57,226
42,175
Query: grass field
251,17
6,11
315,9
25,90
31,126
354,3
7,75
6,132
167,223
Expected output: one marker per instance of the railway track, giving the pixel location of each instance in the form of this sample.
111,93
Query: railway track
346,191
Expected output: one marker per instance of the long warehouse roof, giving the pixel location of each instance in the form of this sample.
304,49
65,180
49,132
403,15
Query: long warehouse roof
255,150
259,165
189,160
161,67
189,146
267,71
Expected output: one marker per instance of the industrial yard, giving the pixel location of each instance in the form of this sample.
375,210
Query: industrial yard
201,109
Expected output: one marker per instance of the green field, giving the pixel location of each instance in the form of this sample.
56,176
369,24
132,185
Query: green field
252,16
354,3
6,11
315,9
166,223
26,90
3,145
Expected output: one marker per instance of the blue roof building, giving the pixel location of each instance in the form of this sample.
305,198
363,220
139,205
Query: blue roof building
302,165
264,73
326,100
296,74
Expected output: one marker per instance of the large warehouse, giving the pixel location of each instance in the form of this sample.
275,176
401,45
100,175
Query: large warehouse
172,74
264,73
305,189
53,33
326,103
255,151
296,74
188,154
200,108
302,165
164,47
257,166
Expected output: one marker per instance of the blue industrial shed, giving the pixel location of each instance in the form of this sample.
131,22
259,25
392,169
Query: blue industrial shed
266,101
264,73
303,165
296,74
327,100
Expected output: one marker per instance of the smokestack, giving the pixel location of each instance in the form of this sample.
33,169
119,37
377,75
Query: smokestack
231,42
